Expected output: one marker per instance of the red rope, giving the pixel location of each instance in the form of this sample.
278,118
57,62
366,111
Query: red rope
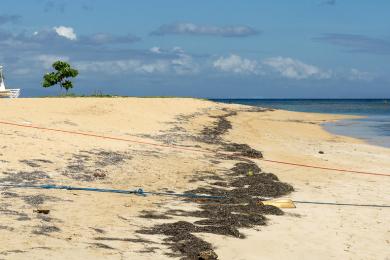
106,137
184,148
326,168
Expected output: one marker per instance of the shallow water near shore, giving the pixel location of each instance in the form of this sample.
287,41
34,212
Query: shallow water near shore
373,127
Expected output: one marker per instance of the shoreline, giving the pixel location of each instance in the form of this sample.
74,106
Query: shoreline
337,232
362,129
362,126
291,136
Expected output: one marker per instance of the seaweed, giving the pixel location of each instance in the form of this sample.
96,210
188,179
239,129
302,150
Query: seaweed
241,208
89,165
45,230
24,177
243,188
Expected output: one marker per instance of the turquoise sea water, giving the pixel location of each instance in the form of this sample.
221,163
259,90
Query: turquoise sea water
373,128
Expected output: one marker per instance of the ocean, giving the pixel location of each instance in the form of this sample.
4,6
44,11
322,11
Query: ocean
374,128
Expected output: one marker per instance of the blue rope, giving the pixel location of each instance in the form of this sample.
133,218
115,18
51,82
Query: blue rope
139,192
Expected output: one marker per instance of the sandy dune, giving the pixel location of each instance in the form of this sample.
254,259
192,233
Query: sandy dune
104,226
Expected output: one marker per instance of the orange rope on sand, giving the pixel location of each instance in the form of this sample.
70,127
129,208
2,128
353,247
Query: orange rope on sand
184,148
105,137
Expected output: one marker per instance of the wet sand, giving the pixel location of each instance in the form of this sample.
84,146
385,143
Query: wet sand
106,226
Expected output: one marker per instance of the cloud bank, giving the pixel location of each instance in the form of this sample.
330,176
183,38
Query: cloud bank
105,54
208,30
283,66
357,43
295,69
236,64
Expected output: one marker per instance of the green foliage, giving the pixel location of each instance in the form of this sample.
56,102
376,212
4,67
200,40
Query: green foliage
61,76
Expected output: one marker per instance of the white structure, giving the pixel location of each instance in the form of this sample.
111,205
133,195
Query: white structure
2,86
11,93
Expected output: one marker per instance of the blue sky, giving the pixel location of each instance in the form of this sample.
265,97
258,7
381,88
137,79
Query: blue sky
247,48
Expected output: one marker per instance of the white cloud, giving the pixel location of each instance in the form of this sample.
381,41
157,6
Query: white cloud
176,62
286,67
295,69
178,49
184,64
66,32
155,49
194,29
117,66
355,74
236,64
177,66
181,66
158,66
31,65
48,60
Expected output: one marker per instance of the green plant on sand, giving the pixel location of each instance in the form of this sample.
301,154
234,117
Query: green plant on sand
63,71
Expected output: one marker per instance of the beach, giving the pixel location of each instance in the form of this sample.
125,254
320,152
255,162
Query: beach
184,145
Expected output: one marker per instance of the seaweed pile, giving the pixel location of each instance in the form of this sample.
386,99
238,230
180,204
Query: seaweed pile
242,208
90,165
243,187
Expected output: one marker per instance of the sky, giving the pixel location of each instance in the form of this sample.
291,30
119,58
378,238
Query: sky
209,49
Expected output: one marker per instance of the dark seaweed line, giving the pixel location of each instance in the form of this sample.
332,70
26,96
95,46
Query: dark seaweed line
241,209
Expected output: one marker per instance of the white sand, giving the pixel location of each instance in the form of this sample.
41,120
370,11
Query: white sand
307,232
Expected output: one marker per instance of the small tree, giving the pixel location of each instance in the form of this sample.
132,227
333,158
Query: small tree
61,76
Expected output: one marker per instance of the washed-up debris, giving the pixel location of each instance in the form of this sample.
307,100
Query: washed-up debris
104,246
240,209
25,177
212,135
30,163
207,255
45,230
131,240
99,174
281,203
7,194
41,211
90,165
106,158
35,163
39,199
99,230
153,215
242,187
243,150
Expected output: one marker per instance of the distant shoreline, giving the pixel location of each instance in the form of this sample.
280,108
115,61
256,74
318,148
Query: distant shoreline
369,122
